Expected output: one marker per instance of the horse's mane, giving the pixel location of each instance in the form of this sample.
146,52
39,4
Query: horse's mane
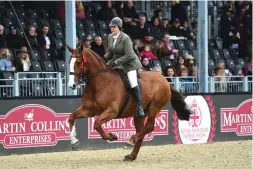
91,52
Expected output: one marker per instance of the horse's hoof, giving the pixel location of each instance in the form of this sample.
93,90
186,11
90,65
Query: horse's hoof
129,158
112,137
75,146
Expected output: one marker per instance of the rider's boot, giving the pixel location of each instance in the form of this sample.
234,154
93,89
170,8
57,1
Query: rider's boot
137,94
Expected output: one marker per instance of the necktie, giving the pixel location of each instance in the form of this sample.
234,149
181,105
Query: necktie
114,42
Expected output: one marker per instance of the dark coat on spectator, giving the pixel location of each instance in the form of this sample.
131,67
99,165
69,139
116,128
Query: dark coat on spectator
42,41
178,11
33,41
3,41
225,27
106,13
139,32
100,50
14,41
175,31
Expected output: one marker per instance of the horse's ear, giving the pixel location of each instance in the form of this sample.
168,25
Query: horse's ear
70,49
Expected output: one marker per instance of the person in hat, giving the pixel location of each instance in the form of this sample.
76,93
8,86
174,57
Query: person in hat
14,40
121,53
23,62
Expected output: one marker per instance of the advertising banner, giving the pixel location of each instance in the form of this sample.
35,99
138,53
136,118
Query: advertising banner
41,125
33,125
124,128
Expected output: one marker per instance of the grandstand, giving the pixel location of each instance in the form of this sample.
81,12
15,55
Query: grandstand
46,75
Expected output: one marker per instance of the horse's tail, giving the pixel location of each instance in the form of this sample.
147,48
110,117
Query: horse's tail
178,104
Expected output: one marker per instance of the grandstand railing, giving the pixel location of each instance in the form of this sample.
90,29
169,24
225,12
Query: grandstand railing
54,84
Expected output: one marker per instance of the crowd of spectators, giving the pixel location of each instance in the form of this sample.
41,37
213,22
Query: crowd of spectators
151,39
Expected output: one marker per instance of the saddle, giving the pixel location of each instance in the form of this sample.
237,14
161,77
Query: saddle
127,85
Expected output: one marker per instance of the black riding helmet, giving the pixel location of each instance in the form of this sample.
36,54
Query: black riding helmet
116,22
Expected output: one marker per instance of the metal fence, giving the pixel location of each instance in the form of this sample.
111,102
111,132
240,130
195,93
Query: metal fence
54,84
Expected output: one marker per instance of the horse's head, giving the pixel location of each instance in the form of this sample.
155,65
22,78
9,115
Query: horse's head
78,69
83,63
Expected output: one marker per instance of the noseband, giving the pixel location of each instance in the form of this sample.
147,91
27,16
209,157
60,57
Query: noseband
84,76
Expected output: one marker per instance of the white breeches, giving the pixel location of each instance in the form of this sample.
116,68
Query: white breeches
132,77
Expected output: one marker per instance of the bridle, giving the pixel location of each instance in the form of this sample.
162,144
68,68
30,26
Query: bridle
85,76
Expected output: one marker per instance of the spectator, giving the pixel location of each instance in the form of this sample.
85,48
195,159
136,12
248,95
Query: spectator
148,40
170,72
194,29
157,69
180,65
164,26
6,60
32,38
220,79
186,31
141,28
175,28
158,13
80,10
23,62
178,11
3,41
147,53
129,10
14,40
119,6
156,29
87,41
137,46
233,37
98,47
166,50
44,40
194,71
242,27
225,27
248,67
187,84
130,18
106,12
146,66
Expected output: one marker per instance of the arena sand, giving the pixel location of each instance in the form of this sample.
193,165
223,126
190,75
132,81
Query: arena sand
219,155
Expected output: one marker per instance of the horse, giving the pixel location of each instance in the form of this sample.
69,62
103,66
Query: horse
104,95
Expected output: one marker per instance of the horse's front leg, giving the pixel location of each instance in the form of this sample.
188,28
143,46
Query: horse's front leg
106,116
81,112
139,125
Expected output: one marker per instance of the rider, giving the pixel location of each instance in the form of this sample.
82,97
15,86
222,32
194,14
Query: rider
120,53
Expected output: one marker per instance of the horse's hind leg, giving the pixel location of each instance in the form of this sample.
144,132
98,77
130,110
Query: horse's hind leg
106,116
139,125
79,113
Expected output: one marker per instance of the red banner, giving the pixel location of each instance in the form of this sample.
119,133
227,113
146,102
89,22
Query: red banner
238,119
33,125
124,128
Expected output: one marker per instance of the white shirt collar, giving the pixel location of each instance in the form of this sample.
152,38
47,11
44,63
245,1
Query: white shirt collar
116,37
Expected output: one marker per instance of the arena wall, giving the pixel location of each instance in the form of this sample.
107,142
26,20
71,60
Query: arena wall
37,125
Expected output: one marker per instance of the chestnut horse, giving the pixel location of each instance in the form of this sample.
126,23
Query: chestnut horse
105,93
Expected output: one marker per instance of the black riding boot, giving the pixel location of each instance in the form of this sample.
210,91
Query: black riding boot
137,94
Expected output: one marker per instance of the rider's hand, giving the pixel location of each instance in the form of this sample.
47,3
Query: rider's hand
111,64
